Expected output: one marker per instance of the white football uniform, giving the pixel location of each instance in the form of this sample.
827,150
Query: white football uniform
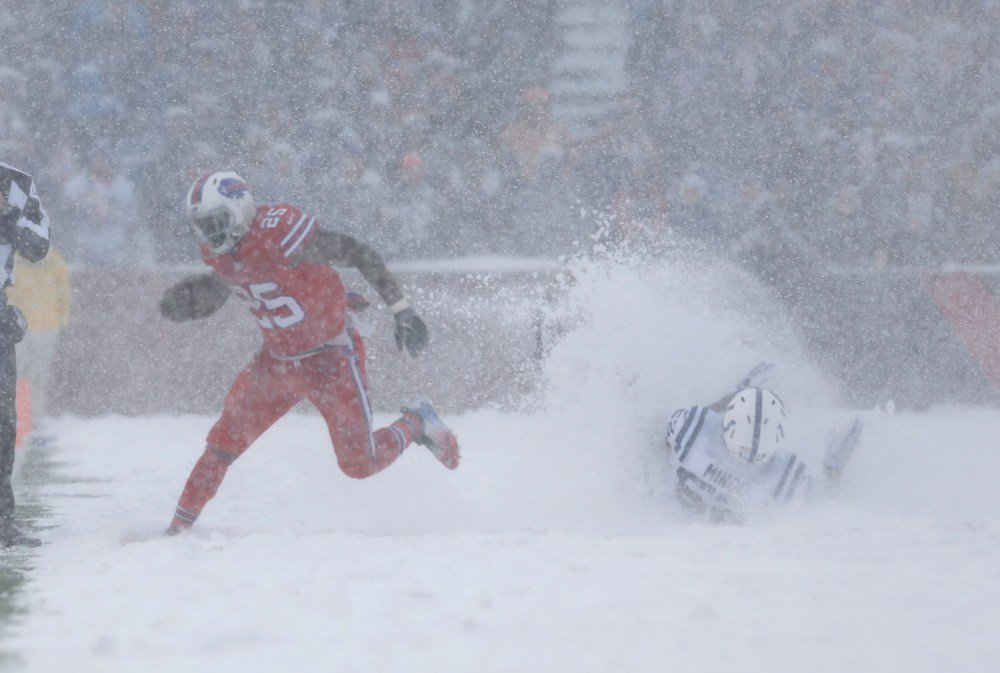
711,480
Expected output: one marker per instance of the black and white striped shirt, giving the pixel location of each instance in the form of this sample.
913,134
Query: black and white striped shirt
24,226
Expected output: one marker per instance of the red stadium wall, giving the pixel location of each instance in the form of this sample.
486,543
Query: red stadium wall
916,339
973,310
119,356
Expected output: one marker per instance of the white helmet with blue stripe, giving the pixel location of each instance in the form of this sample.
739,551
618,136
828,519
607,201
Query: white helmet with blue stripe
753,424
220,210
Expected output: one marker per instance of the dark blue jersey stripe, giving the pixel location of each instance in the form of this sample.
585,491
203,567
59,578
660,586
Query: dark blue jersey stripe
756,425
679,439
694,433
799,473
784,478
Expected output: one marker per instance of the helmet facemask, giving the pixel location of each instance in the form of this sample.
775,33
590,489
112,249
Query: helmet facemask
220,210
217,229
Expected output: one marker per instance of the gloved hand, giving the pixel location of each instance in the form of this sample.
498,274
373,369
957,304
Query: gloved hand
13,324
839,448
410,332
193,298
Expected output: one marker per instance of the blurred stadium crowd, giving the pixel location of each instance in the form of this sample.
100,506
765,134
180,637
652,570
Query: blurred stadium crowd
863,132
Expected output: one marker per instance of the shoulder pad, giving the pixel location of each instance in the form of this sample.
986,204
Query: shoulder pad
287,227
685,425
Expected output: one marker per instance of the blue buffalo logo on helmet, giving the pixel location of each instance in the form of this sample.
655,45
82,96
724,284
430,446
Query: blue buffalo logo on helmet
233,188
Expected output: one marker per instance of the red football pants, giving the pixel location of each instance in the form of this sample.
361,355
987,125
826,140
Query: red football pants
333,380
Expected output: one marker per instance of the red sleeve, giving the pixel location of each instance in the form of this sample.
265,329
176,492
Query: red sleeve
288,229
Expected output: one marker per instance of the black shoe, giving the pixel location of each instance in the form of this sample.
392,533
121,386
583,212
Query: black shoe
12,536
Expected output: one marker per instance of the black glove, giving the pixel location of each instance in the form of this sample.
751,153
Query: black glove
410,332
193,298
12,324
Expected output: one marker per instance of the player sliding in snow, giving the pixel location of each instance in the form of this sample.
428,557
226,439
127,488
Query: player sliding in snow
278,259
727,458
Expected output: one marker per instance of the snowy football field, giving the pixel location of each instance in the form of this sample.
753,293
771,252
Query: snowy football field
555,547
509,564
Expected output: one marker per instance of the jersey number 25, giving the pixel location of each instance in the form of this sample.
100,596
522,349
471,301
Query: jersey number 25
272,310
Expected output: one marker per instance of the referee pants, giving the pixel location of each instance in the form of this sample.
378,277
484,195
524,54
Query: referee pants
8,424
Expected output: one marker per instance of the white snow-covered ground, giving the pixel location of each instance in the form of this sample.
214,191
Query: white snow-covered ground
556,546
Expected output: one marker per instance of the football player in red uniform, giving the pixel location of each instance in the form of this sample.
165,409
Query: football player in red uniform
278,259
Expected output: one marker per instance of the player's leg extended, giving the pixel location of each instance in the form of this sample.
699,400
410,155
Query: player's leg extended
340,393
422,422
263,392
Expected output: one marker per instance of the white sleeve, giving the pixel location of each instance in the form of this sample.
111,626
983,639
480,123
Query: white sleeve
788,479
676,422
685,426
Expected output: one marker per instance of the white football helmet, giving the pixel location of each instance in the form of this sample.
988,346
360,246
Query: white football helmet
753,424
220,210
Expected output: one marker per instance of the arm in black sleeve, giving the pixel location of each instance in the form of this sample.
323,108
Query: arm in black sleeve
341,250
335,249
23,223
30,243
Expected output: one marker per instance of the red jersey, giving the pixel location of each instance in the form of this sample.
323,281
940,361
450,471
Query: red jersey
298,305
